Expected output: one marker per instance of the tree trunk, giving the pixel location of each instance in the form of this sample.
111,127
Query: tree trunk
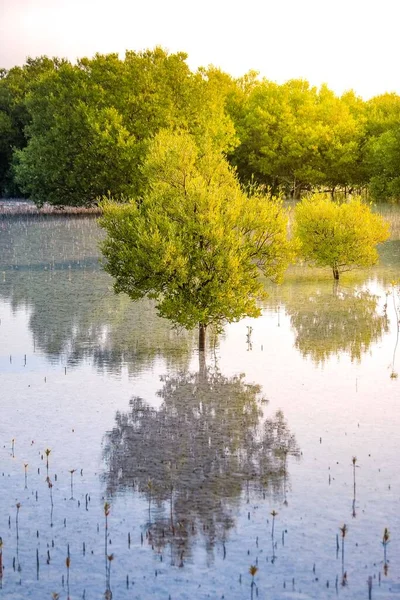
335,273
202,367
202,337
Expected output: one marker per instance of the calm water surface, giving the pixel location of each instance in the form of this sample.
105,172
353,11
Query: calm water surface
193,458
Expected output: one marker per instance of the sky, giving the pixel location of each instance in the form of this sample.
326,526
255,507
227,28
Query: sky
348,44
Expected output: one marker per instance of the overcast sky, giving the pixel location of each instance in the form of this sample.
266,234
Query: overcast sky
345,43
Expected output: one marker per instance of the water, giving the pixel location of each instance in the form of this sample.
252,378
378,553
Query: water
193,458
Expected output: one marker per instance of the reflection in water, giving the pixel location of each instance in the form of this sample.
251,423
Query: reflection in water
327,324
396,308
353,506
50,266
195,456
75,317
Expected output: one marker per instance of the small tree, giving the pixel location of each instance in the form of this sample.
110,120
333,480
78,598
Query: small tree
195,242
341,236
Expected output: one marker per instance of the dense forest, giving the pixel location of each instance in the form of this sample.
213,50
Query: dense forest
71,133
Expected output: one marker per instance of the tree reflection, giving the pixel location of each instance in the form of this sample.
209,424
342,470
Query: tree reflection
327,324
196,456
51,266
74,316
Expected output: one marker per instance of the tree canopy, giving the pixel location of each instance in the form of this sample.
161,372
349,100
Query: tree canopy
70,133
15,87
294,137
89,124
194,242
338,235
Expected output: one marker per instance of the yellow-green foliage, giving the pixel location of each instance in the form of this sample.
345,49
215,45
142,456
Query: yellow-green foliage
195,242
339,235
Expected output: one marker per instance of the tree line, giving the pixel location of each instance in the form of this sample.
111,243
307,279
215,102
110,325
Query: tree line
71,133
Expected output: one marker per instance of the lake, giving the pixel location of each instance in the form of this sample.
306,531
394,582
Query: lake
165,478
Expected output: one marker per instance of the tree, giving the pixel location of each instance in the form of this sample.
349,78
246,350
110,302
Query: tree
195,242
382,114
341,127
384,160
295,137
15,85
78,147
382,148
90,124
341,236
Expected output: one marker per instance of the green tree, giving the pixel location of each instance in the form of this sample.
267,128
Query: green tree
384,161
382,146
341,137
6,137
78,146
15,85
195,242
90,123
382,114
294,137
341,236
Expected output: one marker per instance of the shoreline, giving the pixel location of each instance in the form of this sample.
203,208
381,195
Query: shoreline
21,207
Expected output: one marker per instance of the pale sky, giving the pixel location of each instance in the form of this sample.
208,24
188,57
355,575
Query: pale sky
345,43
